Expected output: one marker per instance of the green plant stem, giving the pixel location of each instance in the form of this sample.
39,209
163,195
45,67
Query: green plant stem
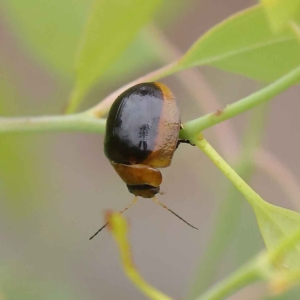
76,122
90,121
229,210
242,277
192,128
252,197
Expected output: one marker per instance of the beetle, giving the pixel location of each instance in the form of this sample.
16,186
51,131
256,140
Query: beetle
142,134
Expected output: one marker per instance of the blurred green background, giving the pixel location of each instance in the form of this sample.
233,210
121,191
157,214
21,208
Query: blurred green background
54,188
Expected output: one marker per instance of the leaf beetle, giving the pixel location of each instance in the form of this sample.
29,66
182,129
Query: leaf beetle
142,134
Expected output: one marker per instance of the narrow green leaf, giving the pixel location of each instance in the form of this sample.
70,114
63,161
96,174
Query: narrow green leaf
111,27
280,12
245,44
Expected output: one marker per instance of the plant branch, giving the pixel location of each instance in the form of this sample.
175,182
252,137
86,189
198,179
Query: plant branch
229,210
90,121
252,197
66,123
192,128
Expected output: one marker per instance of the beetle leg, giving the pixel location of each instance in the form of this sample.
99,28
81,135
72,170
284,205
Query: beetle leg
184,142
180,141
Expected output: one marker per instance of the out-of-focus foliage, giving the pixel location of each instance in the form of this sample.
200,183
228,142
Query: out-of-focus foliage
245,44
289,295
276,224
296,29
49,29
111,27
50,32
281,12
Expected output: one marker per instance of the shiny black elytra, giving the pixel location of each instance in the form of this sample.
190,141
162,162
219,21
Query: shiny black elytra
142,134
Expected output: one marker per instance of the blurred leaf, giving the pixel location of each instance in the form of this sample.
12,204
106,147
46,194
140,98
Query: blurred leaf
280,12
110,29
172,10
245,44
276,224
141,53
50,29
296,29
55,48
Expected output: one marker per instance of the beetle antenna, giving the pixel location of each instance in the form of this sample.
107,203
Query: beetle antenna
164,206
134,201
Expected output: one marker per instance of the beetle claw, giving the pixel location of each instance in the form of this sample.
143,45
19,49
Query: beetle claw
184,142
